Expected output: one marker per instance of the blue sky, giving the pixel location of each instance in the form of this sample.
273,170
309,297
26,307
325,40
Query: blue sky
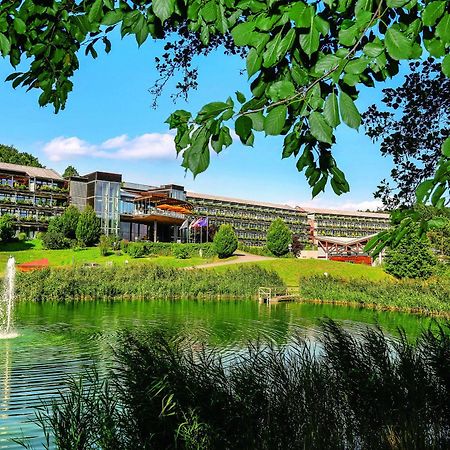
109,125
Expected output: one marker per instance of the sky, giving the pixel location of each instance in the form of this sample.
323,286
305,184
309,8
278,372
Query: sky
109,125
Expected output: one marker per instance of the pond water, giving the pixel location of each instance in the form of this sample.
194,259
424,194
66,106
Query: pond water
58,340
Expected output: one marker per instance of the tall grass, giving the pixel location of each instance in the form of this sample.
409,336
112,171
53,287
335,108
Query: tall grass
140,282
365,392
431,296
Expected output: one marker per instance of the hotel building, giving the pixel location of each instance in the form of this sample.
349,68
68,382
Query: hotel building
164,213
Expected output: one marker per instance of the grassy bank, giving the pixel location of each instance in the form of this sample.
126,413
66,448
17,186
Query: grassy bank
290,270
369,392
32,250
144,281
429,297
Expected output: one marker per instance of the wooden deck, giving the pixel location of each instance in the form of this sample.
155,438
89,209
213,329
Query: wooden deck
275,295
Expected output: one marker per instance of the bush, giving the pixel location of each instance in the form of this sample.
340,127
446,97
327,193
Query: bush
180,251
104,245
89,227
7,228
412,258
123,245
254,250
55,240
225,241
136,250
39,235
279,236
69,221
22,237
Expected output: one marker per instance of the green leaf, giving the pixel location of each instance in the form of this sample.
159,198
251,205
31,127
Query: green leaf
320,128
319,186
348,36
432,12
397,44
5,45
240,97
331,110
356,66
349,113
443,29
112,17
212,110
275,120
310,42
19,25
373,49
96,11
243,128
257,120
326,63
396,3
446,148
163,9
321,25
253,61
242,33
423,190
277,48
301,15
281,90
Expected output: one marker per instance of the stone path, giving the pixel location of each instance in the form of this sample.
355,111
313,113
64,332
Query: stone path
241,257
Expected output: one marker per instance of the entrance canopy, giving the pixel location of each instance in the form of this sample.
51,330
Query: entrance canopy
338,246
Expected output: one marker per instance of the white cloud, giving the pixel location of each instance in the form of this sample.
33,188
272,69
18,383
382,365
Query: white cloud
372,205
62,148
154,146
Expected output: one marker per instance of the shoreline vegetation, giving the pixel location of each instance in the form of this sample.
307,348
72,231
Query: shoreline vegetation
141,282
151,281
163,392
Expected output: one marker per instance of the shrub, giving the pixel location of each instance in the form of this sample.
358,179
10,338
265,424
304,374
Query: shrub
89,227
69,221
22,236
412,258
104,245
225,241
55,240
39,235
136,250
297,246
7,228
123,245
279,236
180,251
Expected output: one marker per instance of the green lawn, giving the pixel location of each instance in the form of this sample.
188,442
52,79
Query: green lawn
290,270
32,250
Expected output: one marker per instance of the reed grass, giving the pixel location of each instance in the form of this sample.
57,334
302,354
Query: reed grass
364,392
429,297
140,282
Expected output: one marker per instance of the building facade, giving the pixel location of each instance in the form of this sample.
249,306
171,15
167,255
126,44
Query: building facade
32,196
167,213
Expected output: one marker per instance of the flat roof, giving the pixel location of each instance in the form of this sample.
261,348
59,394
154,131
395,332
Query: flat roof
37,172
339,212
238,200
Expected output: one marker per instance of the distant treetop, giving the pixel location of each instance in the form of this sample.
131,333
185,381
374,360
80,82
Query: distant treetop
10,154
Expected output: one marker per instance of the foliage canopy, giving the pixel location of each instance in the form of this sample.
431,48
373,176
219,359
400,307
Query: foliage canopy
225,241
88,227
279,236
411,258
9,154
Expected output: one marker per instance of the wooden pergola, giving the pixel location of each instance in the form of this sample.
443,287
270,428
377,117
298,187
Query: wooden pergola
334,246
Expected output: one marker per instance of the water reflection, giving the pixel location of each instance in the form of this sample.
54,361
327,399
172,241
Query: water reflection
58,340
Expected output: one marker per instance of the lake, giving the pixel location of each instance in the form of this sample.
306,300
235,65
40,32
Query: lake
59,340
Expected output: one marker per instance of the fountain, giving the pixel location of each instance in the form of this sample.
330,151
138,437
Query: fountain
7,301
